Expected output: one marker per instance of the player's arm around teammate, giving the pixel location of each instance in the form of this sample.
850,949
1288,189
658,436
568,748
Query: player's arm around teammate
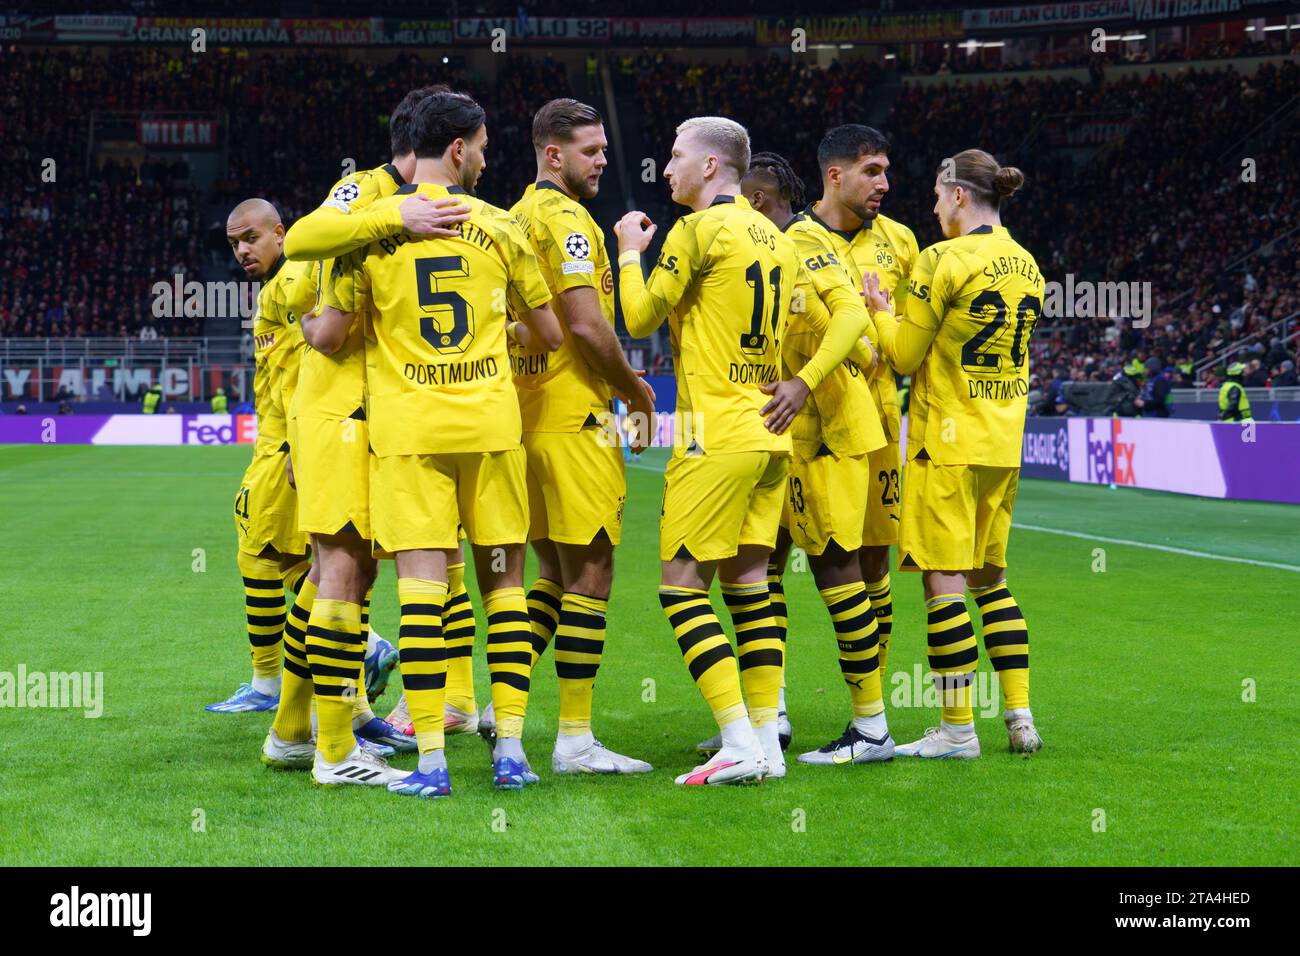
971,306
826,510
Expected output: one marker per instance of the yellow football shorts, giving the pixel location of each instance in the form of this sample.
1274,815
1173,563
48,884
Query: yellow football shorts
266,509
825,502
956,517
884,473
576,487
422,501
331,467
713,504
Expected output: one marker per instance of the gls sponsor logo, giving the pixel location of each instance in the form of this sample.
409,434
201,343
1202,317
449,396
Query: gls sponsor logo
820,262
103,909
668,265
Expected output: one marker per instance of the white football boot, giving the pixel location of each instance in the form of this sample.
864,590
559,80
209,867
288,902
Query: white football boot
358,767
769,738
852,746
729,766
1021,732
595,758
287,754
941,743
457,721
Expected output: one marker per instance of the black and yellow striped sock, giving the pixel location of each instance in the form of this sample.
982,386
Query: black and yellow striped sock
458,629
264,611
295,575
579,644
293,716
758,647
335,652
544,613
953,655
705,650
882,605
858,636
1006,641
424,657
361,712
776,594
510,657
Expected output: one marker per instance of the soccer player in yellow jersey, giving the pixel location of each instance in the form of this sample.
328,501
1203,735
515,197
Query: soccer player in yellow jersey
833,435
965,321
330,456
724,280
445,427
854,165
271,551
576,487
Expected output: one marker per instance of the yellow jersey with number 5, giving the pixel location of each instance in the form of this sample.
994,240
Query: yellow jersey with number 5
438,374
969,310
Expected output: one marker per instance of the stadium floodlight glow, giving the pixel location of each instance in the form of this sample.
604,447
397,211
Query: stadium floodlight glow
446,59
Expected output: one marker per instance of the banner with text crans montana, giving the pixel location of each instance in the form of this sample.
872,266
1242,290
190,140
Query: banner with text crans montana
1257,461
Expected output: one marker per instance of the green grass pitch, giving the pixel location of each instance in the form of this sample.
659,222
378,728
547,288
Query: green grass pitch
1140,672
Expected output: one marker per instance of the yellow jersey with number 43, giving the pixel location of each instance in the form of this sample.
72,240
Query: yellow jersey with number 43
725,280
558,391
438,374
969,310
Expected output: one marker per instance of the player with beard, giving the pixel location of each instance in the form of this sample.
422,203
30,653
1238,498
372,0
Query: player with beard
854,164
445,427
576,486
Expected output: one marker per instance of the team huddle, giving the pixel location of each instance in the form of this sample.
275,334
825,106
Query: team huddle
432,369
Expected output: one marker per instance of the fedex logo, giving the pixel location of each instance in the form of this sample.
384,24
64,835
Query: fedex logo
218,429
1100,456
1108,458
1124,457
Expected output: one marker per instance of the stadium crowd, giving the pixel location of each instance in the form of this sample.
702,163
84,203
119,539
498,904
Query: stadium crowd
82,254
1153,205
1122,226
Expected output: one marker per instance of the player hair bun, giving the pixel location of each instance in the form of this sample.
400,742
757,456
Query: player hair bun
1007,180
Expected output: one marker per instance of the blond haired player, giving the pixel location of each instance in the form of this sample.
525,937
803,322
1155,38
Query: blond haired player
445,427
271,550
576,487
724,280
971,305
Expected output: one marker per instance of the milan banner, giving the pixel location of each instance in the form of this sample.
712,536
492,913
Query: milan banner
1048,15
1254,462
867,28
178,133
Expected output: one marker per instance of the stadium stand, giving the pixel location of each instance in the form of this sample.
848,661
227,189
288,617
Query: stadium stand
1222,255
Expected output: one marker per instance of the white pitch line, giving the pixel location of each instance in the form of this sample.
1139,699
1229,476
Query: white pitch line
1156,547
